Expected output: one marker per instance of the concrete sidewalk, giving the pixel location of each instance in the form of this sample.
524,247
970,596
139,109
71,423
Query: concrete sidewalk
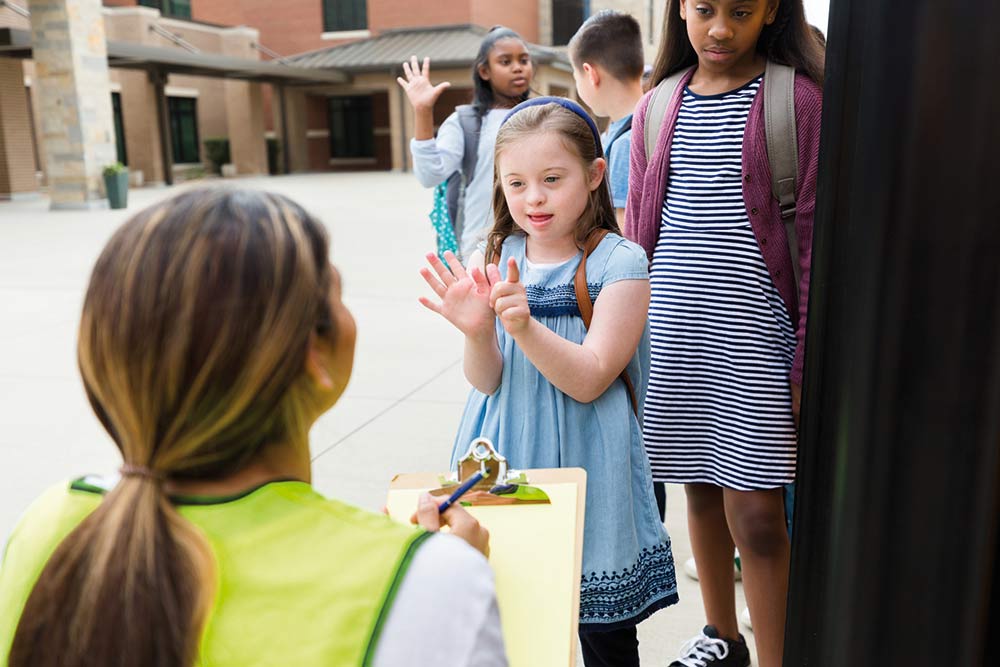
399,413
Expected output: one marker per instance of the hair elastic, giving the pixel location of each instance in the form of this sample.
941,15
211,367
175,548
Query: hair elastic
566,104
130,470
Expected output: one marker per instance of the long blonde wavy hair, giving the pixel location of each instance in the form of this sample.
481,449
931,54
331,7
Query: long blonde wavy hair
192,346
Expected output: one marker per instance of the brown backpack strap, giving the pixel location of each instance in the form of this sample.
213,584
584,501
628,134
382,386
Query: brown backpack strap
586,306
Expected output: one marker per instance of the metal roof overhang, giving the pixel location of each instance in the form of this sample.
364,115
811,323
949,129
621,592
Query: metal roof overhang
128,55
440,65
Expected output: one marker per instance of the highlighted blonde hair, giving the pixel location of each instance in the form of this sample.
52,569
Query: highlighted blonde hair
192,346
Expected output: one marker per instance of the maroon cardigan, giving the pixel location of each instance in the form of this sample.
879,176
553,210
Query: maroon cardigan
648,186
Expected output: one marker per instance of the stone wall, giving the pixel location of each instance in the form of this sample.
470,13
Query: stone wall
73,87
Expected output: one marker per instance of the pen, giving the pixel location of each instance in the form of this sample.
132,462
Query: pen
460,491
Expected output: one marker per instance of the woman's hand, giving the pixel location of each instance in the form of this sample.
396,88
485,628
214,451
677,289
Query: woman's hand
465,296
461,523
417,84
509,299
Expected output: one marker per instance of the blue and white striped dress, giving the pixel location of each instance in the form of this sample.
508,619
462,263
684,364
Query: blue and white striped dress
718,408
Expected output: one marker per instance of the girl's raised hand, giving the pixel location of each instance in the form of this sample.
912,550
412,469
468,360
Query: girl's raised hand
417,84
465,296
508,298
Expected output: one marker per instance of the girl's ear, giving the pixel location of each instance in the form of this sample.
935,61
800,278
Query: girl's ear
484,72
683,7
772,11
597,169
316,363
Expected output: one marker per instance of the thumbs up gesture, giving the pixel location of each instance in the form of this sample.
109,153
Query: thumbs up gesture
509,299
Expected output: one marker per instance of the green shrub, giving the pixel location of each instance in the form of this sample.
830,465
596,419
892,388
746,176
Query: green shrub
115,168
217,152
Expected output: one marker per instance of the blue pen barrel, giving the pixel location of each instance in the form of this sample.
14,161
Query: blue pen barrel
462,490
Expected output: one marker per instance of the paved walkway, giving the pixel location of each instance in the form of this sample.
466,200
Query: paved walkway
399,413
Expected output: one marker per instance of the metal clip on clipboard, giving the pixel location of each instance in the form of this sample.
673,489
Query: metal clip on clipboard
500,486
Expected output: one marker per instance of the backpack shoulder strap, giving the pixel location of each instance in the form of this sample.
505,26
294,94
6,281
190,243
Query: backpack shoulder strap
471,123
657,110
779,128
783,149
586,306
616,136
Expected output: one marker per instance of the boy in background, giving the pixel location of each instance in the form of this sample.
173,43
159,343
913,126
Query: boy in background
607,58
608,64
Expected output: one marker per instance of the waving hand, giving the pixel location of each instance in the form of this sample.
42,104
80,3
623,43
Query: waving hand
465,296
417,84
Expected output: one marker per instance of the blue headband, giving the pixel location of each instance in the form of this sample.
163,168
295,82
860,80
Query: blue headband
566,104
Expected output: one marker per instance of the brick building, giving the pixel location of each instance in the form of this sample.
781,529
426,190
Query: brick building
347,112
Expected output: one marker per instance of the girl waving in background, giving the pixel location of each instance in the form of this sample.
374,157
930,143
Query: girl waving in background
553,387
727,313
501,78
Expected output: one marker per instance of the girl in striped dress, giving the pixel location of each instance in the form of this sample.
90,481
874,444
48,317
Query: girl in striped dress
727,325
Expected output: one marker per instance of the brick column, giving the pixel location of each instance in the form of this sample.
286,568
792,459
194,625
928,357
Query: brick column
298,125
74,98
17,155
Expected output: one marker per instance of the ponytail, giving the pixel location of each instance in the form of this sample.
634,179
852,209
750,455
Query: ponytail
130,586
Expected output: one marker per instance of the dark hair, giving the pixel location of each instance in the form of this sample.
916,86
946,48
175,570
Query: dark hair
789,40
192,341
612,40
578,137
483,98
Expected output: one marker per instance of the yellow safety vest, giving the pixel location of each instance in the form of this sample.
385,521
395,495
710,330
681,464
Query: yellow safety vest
302,580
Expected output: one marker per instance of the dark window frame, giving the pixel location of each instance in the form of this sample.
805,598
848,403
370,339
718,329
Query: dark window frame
177,9
567,17
179,148
352,135
344,15
116,109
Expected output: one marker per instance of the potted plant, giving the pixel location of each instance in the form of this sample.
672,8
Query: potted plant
116,184
217,152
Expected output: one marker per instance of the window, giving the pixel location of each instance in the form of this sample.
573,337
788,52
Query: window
352,133
116,108
180,9
184,129
339,15
567,17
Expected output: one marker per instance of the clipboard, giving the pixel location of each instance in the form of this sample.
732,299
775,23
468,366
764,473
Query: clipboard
536,553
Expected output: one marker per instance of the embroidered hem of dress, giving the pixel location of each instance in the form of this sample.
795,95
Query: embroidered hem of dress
558,300
615,600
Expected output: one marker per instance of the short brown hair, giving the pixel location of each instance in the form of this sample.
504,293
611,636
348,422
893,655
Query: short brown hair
612,40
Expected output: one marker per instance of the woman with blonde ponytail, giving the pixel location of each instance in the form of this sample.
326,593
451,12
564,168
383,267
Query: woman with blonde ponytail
213,335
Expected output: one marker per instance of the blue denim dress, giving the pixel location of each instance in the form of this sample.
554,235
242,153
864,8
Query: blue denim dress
628,568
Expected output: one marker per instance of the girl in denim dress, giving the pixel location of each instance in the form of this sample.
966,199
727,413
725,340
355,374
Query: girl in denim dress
547,390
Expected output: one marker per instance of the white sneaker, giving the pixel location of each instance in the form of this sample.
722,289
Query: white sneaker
745,619
691,569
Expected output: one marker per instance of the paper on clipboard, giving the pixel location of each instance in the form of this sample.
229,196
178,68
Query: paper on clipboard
535,552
